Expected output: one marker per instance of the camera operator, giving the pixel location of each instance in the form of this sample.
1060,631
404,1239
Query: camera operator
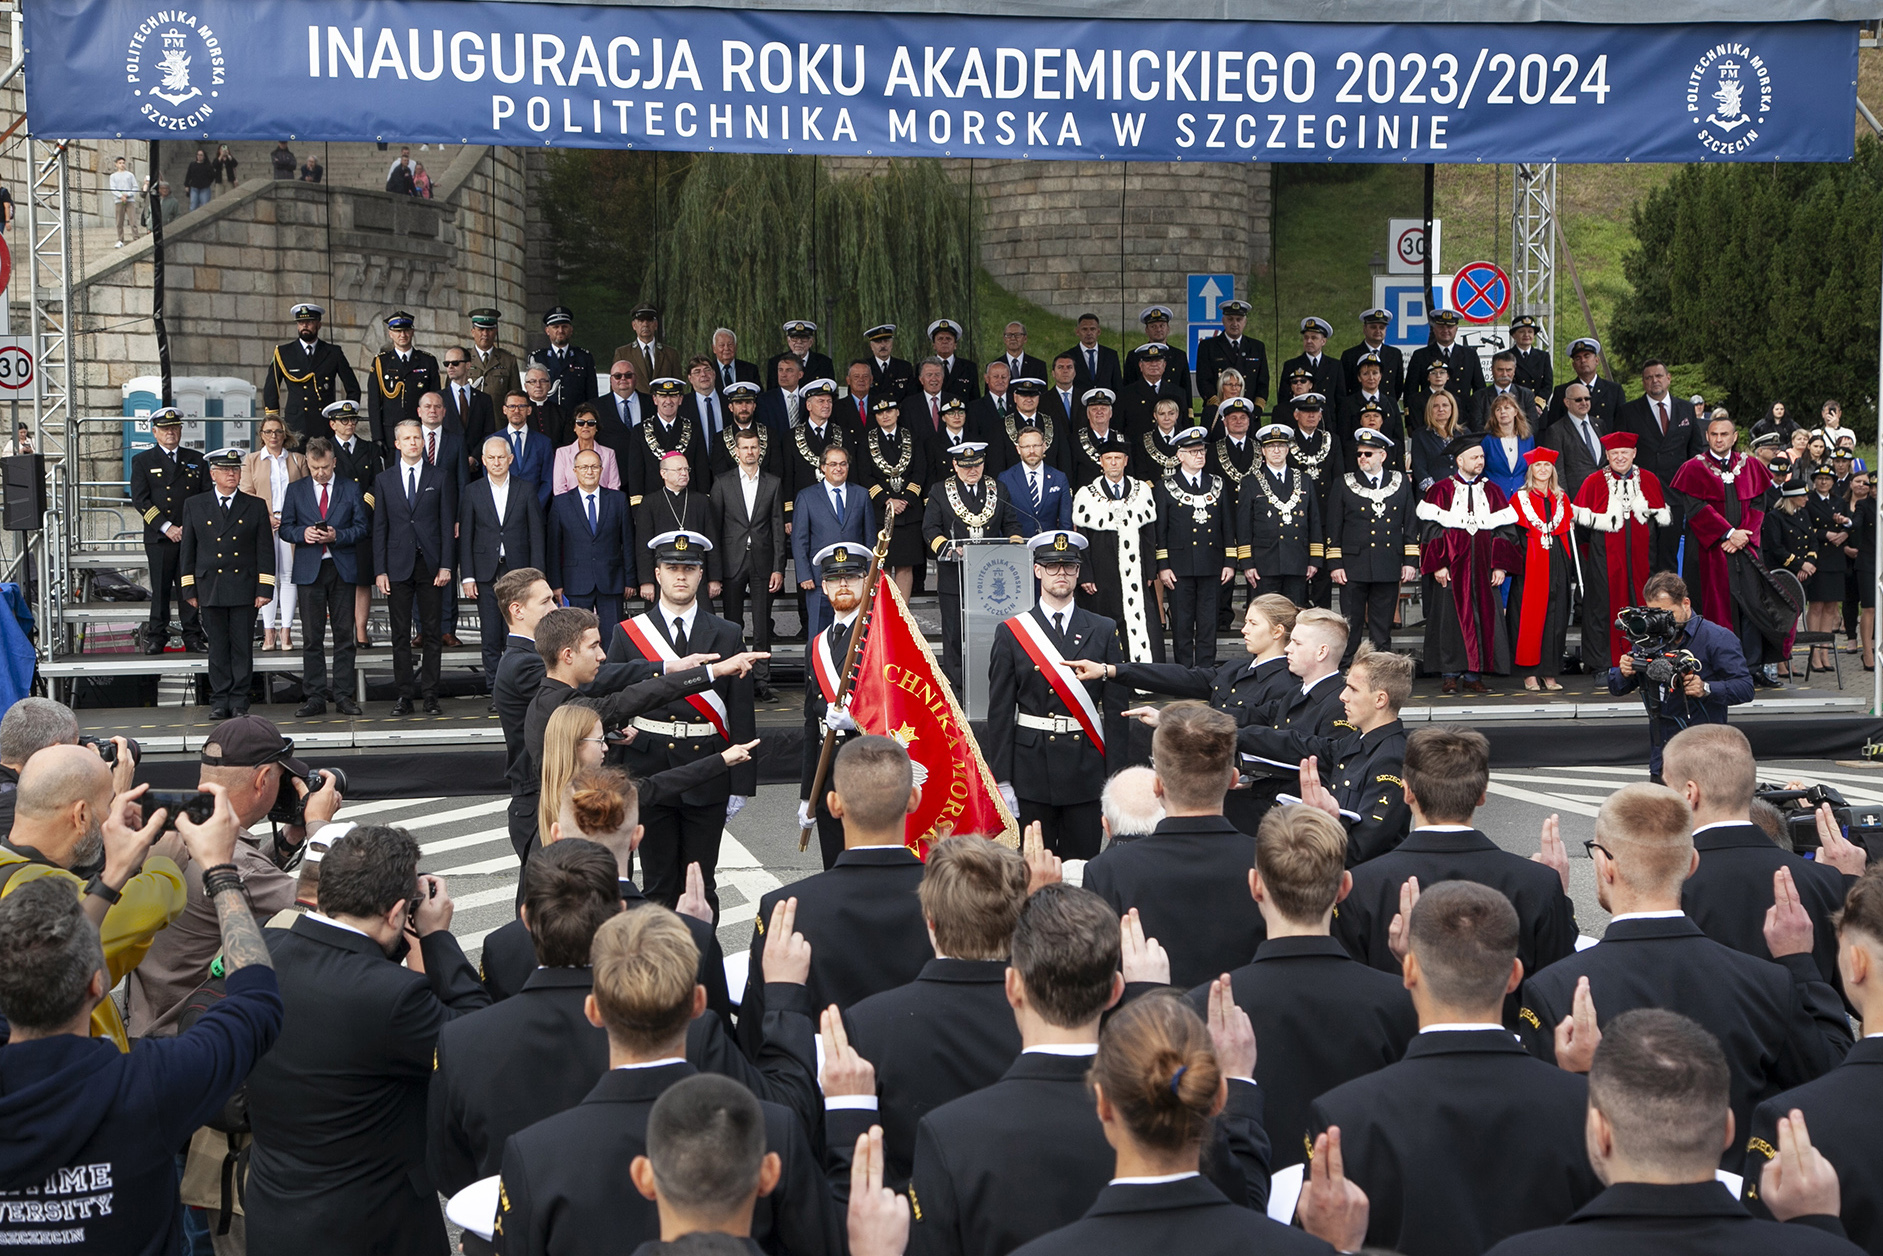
92,1134
32,724
254,764
73,825
1696,696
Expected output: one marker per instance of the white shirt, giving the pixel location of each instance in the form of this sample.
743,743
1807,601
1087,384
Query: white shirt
277,477
836,495
663,1062
669,613
748,487
1460,1027
1646,915
1154,1181
338,924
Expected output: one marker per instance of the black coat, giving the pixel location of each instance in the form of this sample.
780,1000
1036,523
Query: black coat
571,374
815,706
1187,546
501,1070
1330,377
639,693
476,421
412,540
481,535
1546,917
1429,1140
1320,1019
1266,540
1244,353
650,438
1467,373
1637,1219
1537,372
1058,769
1662,454
300,384
1840,1109
865,927
1027,1155
1189,1216
648,753
1780,1024
1606,401
661,511
393,388
803,451
1176,371
1361,770
227,560
1244,687
161,486
1189,880
1136,408
1109,374
1392,367
946,1034
338,1105
1729,893
1315,712
1371,546
816,366
565,1185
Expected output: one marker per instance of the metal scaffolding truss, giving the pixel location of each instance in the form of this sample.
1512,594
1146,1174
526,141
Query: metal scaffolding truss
48,266
1533,248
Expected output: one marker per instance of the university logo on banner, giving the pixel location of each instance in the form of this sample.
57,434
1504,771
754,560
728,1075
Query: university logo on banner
176,67
1729,97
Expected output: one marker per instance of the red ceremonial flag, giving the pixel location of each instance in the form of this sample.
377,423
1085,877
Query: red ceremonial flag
900,692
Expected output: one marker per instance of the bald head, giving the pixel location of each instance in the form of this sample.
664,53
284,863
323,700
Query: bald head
1130,803
57,777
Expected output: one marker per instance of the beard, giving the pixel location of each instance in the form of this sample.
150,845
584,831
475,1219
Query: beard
88,857
844,601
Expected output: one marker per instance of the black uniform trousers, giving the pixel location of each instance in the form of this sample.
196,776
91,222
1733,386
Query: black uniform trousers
678,835
1071,831
429,599
948,593
329,599
755,587
495,630
166,568
1294,588
231,633
1370,603
1193,620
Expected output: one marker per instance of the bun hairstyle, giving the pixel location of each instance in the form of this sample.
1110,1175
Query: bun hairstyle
1159,1072
598,801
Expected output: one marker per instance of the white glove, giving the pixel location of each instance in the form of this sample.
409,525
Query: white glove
1007,795
804,814
839,720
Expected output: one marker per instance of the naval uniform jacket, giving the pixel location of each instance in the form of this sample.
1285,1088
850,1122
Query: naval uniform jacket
1546,917
865,927
1027,1155
228,557
1466,1141
1186,545
941,523
1841,1111
1244,688
649,752
948,1033
1392,367
1314,711
1372,532
1780,1024
1320,1019
161,486
303,380
565,1186
815,706
1245,353
1189,880
1055,768
393,388
1362,771
1188,1216
1639,1219
1274,541
1728,894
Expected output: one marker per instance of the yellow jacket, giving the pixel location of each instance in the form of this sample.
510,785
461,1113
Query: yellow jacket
150,901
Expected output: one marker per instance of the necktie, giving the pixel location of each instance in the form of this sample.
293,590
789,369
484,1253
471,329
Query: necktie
1033,483
323,501
934,412
411,487
516,444
712,416
464,402
593,526
1091,363
725,376
1588,438
1059,624
1117,490
225,504
1660,412
836,503
679,635
431,448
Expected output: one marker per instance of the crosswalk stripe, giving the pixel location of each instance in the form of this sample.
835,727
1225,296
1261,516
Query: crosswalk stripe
354,810
1560,802
460,813
483,868
484,898
478,838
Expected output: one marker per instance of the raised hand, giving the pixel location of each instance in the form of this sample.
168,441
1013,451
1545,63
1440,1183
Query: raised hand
1799,1181
787,953
1043,867
1399,930
845,1072
1578,1035
1142,959
1331,1208
1554,854
878,1217
1231,1032
1787,925
693,902
1834,848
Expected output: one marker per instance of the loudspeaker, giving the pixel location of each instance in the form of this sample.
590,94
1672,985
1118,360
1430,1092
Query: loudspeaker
23,480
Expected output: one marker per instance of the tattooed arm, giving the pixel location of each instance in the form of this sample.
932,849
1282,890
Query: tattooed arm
242,943
211,845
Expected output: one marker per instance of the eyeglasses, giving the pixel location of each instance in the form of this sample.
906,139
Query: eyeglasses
621,375
599,741
585,423
456,361
1577,401
1590,846
516,405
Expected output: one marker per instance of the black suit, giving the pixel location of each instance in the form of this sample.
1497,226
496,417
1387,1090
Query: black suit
1320,1019
1465,379
1313,712
816,366
1477,408
362,465
565,1187
1545,914
1057,775
1605,402
946,1034
1578,461
476,422
519,675
1663,454
161,484
1189,1216
687,829
1108,375
1779,1023
488,548
1840,1110
1429,1141
1189,880
752,549
1638,1219
338,1106
1727,896
412,543
228,560
865,927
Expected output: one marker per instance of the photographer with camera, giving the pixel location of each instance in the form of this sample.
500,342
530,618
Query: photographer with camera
74,825
250,759
1688,668
32,724
89,1159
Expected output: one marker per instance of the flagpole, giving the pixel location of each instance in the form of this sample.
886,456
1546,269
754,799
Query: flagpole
877,558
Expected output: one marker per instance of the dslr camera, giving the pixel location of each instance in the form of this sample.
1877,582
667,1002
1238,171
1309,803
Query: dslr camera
291,805
1800,806
1652,634
108,749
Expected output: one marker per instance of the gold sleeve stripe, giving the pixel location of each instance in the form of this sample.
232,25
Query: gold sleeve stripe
267,579
187,580
150,516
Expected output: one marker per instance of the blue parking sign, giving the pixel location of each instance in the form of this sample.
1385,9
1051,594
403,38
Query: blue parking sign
1207,294
1401,298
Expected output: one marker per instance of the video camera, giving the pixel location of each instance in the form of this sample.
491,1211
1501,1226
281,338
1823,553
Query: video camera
1801,823
1652,636
291,805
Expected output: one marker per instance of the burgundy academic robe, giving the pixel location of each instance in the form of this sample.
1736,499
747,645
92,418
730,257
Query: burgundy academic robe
1704,483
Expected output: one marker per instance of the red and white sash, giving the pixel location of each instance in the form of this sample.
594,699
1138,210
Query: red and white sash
824,667
1034,640
647,639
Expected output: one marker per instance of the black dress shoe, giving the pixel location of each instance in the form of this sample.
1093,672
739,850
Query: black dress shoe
313,706
432,707
218,713
763,692
154,646
491,706
196,645
347,706
450,641
402,707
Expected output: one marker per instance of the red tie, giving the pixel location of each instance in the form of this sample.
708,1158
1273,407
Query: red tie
431,448
1660,412
323,501
934,412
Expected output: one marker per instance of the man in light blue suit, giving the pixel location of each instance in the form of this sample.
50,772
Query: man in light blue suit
325,516
1039,492
824,514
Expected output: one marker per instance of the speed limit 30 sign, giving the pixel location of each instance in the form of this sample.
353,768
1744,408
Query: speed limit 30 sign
16,363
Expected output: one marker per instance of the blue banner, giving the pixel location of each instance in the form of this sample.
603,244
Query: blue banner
733,80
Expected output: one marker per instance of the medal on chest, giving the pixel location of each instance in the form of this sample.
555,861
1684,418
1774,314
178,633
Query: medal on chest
1199,503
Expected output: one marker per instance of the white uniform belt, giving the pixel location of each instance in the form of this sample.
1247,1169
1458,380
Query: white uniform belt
1048,723
664,729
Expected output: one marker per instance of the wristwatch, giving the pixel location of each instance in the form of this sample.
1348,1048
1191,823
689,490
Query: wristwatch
97,886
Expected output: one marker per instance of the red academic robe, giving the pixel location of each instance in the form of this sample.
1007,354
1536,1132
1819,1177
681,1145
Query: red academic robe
1704,483
1470,544
1546,522
1622,512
